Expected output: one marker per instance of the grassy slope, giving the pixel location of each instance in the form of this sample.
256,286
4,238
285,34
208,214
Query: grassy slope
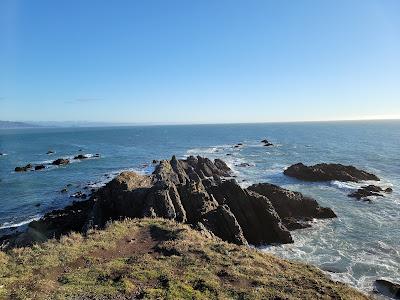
157,259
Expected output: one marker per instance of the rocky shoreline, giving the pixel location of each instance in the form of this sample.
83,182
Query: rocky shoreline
204,194
196,191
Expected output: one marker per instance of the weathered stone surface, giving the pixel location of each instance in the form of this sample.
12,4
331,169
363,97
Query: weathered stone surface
327,172
292,207
222,222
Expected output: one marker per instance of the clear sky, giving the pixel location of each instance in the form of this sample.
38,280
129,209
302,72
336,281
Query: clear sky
199,61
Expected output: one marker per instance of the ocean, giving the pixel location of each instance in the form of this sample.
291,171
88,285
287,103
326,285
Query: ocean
361,245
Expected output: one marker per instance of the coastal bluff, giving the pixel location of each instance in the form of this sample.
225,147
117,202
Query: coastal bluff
195,191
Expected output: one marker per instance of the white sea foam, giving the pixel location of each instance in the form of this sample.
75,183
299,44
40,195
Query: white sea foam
6,225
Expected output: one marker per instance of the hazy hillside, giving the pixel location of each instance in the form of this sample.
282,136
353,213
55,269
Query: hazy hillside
10,125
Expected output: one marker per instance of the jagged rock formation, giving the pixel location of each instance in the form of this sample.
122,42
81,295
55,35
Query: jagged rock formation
327,172
369,190
196,191
292,207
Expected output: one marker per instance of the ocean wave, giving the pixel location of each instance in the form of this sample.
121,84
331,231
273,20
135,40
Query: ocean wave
7,225
348,185
208,150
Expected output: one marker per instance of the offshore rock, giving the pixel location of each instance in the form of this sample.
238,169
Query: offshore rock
24,168
327,172
60,161
369,190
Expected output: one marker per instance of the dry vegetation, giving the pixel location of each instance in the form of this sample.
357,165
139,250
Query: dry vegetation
157,259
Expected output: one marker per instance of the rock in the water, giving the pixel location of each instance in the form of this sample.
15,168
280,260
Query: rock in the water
60,161
243,165
23,169
39,167
369,190
49,152
194,190
267,143
80,156
292,207
387,288
327,172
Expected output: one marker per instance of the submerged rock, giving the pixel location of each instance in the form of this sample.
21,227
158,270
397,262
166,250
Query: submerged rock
60,161
327,172
196,191
39,167
387,288
50,152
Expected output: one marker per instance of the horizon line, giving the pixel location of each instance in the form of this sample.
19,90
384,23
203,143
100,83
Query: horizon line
126,124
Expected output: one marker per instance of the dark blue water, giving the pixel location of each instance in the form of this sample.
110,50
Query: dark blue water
361,245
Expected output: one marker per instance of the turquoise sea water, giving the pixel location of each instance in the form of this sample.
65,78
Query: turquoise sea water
361,245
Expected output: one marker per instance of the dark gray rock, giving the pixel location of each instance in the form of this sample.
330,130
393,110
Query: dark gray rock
327,172
387,288
24,168
292,207
39,167
222,223
60,161
80,156
266,143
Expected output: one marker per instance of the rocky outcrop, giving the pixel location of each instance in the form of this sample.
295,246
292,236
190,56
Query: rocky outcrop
80,156
369,190
39,167
292,207
60,161
196,191
387,288
50,152
327,172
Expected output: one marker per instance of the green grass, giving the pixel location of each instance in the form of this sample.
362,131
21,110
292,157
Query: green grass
157,259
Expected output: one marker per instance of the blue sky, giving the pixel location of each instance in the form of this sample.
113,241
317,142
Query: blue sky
202,61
